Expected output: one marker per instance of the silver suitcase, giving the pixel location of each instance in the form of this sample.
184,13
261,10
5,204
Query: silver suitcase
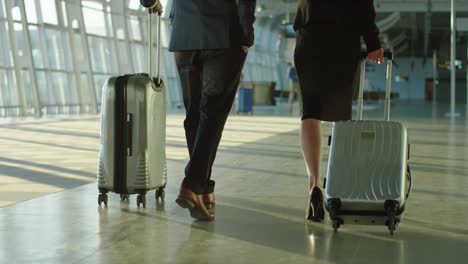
132,156
368,179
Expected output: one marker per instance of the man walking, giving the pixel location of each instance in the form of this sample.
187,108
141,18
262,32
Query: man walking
210,39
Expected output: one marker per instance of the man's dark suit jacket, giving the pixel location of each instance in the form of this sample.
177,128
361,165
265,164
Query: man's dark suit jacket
212,24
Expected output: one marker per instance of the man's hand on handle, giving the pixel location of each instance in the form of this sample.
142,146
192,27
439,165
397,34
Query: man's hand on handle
376,56
157,8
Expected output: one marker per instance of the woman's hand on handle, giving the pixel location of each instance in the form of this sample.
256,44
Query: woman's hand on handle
376,56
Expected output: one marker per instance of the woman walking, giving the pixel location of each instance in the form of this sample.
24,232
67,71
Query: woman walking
327,54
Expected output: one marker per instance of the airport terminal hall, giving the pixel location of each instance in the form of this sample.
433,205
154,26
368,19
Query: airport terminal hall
233,131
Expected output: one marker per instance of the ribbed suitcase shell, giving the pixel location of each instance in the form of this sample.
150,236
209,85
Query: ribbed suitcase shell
146,166
367,166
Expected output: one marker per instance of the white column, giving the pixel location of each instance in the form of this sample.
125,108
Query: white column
452,59
84,39
32,65
75,61
51,93
9,4
128,37
435,76
466,65
112,34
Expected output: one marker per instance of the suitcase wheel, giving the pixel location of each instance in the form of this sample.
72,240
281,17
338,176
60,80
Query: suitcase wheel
124,198
391,207
141,200
391,223
333,206
336,225
103,198
160,194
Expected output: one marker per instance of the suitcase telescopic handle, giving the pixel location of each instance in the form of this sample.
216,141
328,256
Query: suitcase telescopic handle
150,47
389,56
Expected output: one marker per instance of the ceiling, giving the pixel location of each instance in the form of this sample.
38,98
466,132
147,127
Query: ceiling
409,27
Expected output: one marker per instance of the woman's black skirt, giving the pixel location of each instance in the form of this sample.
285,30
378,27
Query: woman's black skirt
326,75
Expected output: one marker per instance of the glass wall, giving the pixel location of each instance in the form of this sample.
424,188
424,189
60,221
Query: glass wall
9,98
266,61
56,55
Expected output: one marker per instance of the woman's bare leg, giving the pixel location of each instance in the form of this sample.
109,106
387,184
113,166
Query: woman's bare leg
311,142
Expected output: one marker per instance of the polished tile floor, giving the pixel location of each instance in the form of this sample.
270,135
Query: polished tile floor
50,212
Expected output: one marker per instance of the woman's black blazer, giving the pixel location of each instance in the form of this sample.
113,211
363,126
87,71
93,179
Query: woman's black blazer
337,25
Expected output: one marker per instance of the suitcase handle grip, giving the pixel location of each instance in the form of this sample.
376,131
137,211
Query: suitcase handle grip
387,54
129,128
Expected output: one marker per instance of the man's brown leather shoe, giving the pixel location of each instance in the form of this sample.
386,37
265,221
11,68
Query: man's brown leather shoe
209,200
193,202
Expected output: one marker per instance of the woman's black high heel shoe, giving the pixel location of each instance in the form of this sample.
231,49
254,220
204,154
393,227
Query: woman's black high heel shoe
316,210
